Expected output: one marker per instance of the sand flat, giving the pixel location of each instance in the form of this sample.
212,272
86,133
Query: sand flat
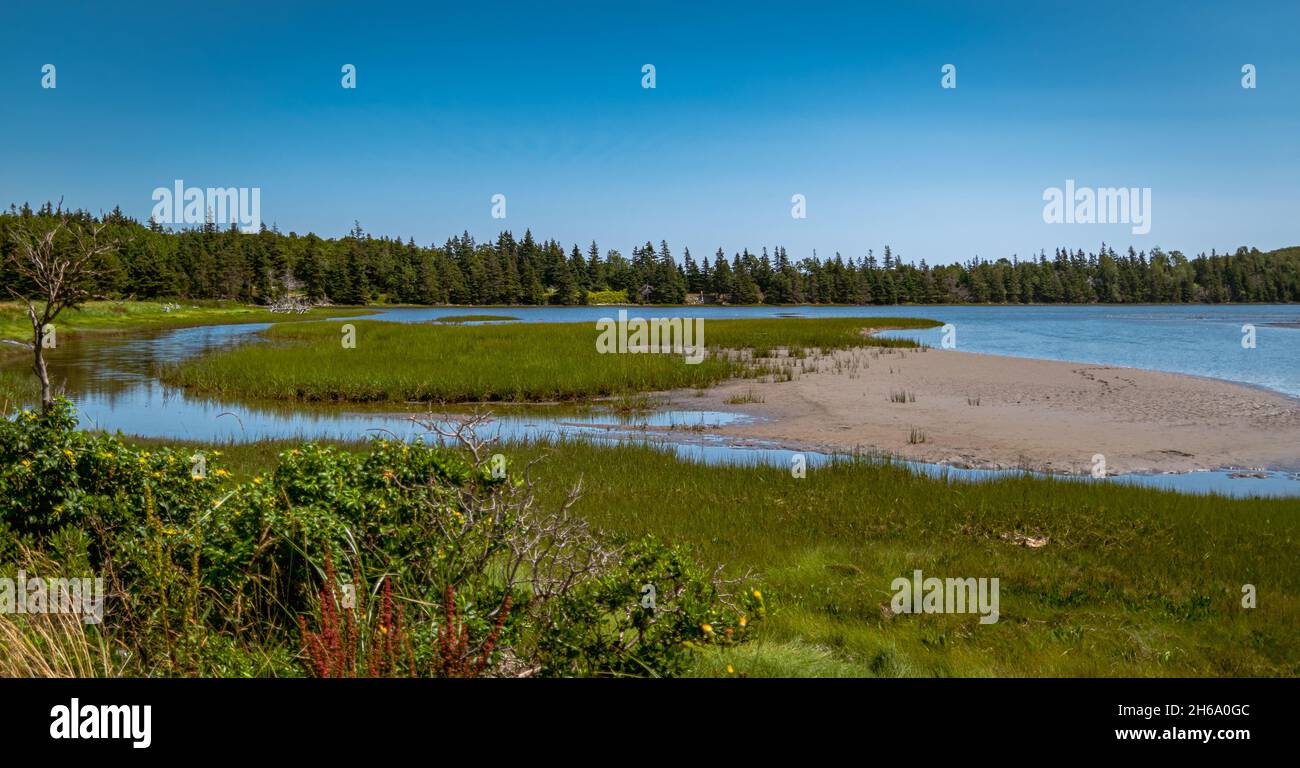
1039,414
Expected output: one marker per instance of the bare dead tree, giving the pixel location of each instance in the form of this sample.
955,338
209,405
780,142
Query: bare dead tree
550,550
55,277
290,304
547,549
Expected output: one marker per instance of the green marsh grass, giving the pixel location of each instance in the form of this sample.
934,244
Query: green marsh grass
526,362
18,388
1132,581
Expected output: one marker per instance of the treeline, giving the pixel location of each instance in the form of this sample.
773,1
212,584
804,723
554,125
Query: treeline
210,262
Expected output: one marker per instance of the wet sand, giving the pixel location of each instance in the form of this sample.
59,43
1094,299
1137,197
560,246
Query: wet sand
989,411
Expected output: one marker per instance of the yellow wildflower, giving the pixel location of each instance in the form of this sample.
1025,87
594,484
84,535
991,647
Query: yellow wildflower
731,670
26,463
708,628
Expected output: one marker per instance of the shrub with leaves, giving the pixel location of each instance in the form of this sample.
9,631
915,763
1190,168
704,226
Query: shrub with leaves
472,576
643,617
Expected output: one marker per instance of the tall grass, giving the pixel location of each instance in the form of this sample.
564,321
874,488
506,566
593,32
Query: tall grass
529,362
53,645
1132,582
18,388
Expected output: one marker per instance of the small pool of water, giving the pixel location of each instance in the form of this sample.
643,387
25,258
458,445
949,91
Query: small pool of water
720,451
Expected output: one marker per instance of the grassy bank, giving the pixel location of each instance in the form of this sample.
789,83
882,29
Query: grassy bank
1131,581
121,316
463,319
18,387
518,362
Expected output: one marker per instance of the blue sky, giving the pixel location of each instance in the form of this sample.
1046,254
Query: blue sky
755,102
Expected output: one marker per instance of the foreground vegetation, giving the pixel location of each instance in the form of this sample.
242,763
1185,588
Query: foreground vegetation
516,362
1131,581
227,575
1127,581
402,560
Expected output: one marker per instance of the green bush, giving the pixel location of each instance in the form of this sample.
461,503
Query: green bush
608,297
643,617
210,576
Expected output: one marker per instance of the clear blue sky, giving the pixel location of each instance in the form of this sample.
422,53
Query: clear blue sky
754,102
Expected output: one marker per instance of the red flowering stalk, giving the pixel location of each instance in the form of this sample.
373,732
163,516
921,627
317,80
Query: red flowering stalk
453,638
390,641
491,641
325,650
410,650
447,632
332,652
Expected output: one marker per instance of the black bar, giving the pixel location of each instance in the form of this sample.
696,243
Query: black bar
1032,719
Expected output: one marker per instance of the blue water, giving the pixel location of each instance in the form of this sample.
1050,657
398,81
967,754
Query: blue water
1197,340
112,382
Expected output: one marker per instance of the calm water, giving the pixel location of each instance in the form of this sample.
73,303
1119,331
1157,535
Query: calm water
1196,340
112,383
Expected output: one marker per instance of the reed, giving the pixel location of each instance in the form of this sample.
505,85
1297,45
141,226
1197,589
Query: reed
525,362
